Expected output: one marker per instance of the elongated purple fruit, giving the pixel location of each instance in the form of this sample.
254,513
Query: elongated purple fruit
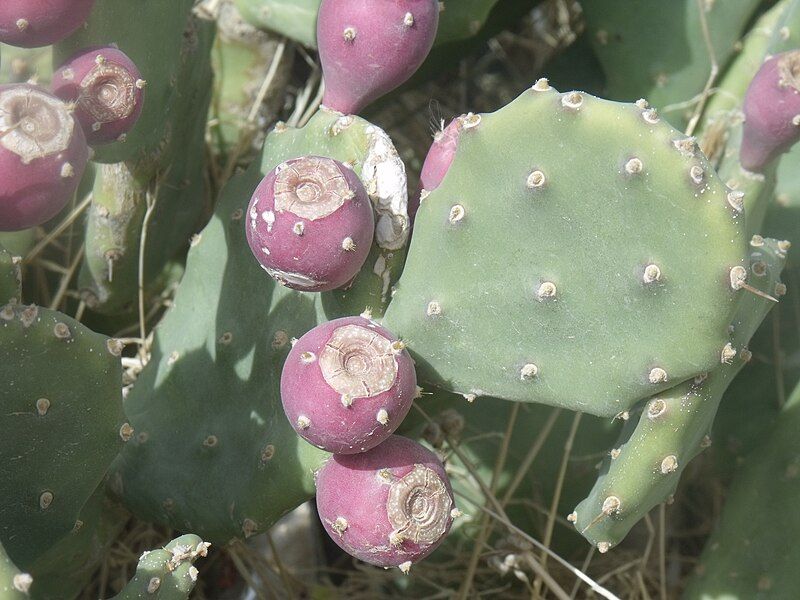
33,23
369,47
107,89
437,162
390,507
43,154
772,111
347,385
310,224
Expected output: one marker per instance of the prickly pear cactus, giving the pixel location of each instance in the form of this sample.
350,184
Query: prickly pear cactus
585,304
166,573
671,35
672,427
62,427
750,554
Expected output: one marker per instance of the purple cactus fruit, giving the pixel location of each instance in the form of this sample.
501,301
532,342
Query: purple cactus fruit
43,154
107,90
310,224
438,161
772,111
390,507
368,48
33,23
347,385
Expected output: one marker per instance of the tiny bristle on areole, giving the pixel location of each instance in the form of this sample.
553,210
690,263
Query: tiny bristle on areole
546,290
535,179
542,85
611,505
736,200
656,408
657,375
528,371
349,34
669,464
457,213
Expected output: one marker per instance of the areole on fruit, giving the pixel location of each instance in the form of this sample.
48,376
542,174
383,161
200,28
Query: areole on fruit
33,124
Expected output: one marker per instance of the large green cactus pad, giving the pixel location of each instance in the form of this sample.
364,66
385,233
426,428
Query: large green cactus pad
578,253
61,414
669,430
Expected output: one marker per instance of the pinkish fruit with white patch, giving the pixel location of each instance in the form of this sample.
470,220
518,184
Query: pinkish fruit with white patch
772,111
347,385
43,154
390,507
438,161
368,48
107,90
34,23
310,224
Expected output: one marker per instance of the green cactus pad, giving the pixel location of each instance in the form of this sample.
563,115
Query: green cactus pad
166,573
752,553
578,253
61,414
657,50
153,33
645,466
10,281
175,183
14,584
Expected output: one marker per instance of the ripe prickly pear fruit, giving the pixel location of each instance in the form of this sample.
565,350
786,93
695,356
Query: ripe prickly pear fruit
390,507
368,48
310,224
347,385
34,23
43,154
107,90
772,111
438,161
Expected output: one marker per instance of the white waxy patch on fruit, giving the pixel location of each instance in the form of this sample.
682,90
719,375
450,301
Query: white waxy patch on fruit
298,228
384,177
536,179
457,213
298,280
358,362
346,400
634,166
348,244
108,92
652,273
419,506
657,375
33,124
67,170
311,188
303,422
572,100
408,20
307,357
268,217
349,34
405,567
656,408
669,464
611,505
22,24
